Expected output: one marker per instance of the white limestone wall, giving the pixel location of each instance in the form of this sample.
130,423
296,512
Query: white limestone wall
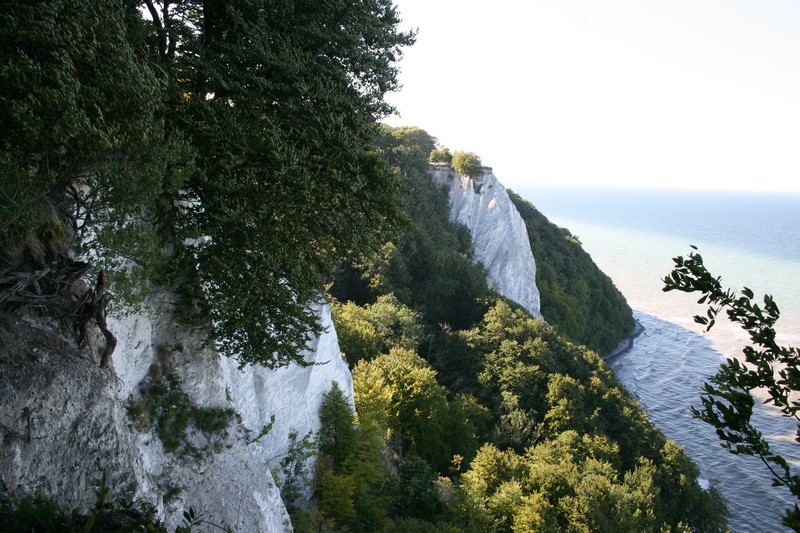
79,420
499,235
292,394
236,486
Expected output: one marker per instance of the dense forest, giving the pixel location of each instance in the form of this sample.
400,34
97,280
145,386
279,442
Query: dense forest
493,420
231,153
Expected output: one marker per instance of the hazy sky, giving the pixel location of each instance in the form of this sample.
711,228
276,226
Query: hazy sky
670,93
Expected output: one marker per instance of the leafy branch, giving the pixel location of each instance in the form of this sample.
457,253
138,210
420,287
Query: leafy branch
728,399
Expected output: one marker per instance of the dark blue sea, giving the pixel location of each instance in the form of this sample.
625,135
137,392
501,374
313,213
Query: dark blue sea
750,239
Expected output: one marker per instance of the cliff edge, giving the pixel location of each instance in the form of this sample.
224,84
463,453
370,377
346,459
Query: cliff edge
499,235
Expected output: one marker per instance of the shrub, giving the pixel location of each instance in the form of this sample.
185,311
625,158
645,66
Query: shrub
441,156
467,164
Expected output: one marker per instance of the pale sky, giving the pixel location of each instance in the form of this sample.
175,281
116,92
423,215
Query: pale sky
670,93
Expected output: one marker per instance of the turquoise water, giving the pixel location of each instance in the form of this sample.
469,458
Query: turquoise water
748,239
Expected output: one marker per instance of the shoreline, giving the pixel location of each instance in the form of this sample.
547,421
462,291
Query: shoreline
625,345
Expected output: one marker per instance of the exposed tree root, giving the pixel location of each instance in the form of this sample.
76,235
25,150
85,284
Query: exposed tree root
58,290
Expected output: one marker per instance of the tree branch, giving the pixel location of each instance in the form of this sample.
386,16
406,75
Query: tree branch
162,34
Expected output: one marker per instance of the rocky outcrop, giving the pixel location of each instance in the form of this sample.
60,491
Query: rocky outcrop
499,236
67,426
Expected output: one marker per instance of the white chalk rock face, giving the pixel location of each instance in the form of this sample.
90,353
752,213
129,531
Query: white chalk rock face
235,484
293,394
72,417
499,235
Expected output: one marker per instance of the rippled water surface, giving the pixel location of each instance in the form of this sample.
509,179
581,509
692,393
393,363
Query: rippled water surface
665,371
751,240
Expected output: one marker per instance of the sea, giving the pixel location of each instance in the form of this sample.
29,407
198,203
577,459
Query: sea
750,239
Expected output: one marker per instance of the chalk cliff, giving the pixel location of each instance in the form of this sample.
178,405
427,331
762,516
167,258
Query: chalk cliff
71,426
499,235
66,421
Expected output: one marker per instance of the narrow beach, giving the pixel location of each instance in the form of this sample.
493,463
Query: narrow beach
624,345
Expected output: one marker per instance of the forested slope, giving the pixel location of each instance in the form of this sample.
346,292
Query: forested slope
577,298
492,420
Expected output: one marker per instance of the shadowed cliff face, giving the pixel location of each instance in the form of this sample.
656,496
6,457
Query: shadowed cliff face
66,421
498,233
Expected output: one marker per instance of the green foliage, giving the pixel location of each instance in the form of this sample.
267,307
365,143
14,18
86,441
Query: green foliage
415,525
166,407
682,496
282,110
441,156
357,336
263,432
37,513
559,400
30,513
576,297
365,332
337,435
728,399
416,492
397,325
336,497
567,399
416,405
353,483
294,473
467,164
563,485
84,140
373,479
406,149
224,149
520,355
171,494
